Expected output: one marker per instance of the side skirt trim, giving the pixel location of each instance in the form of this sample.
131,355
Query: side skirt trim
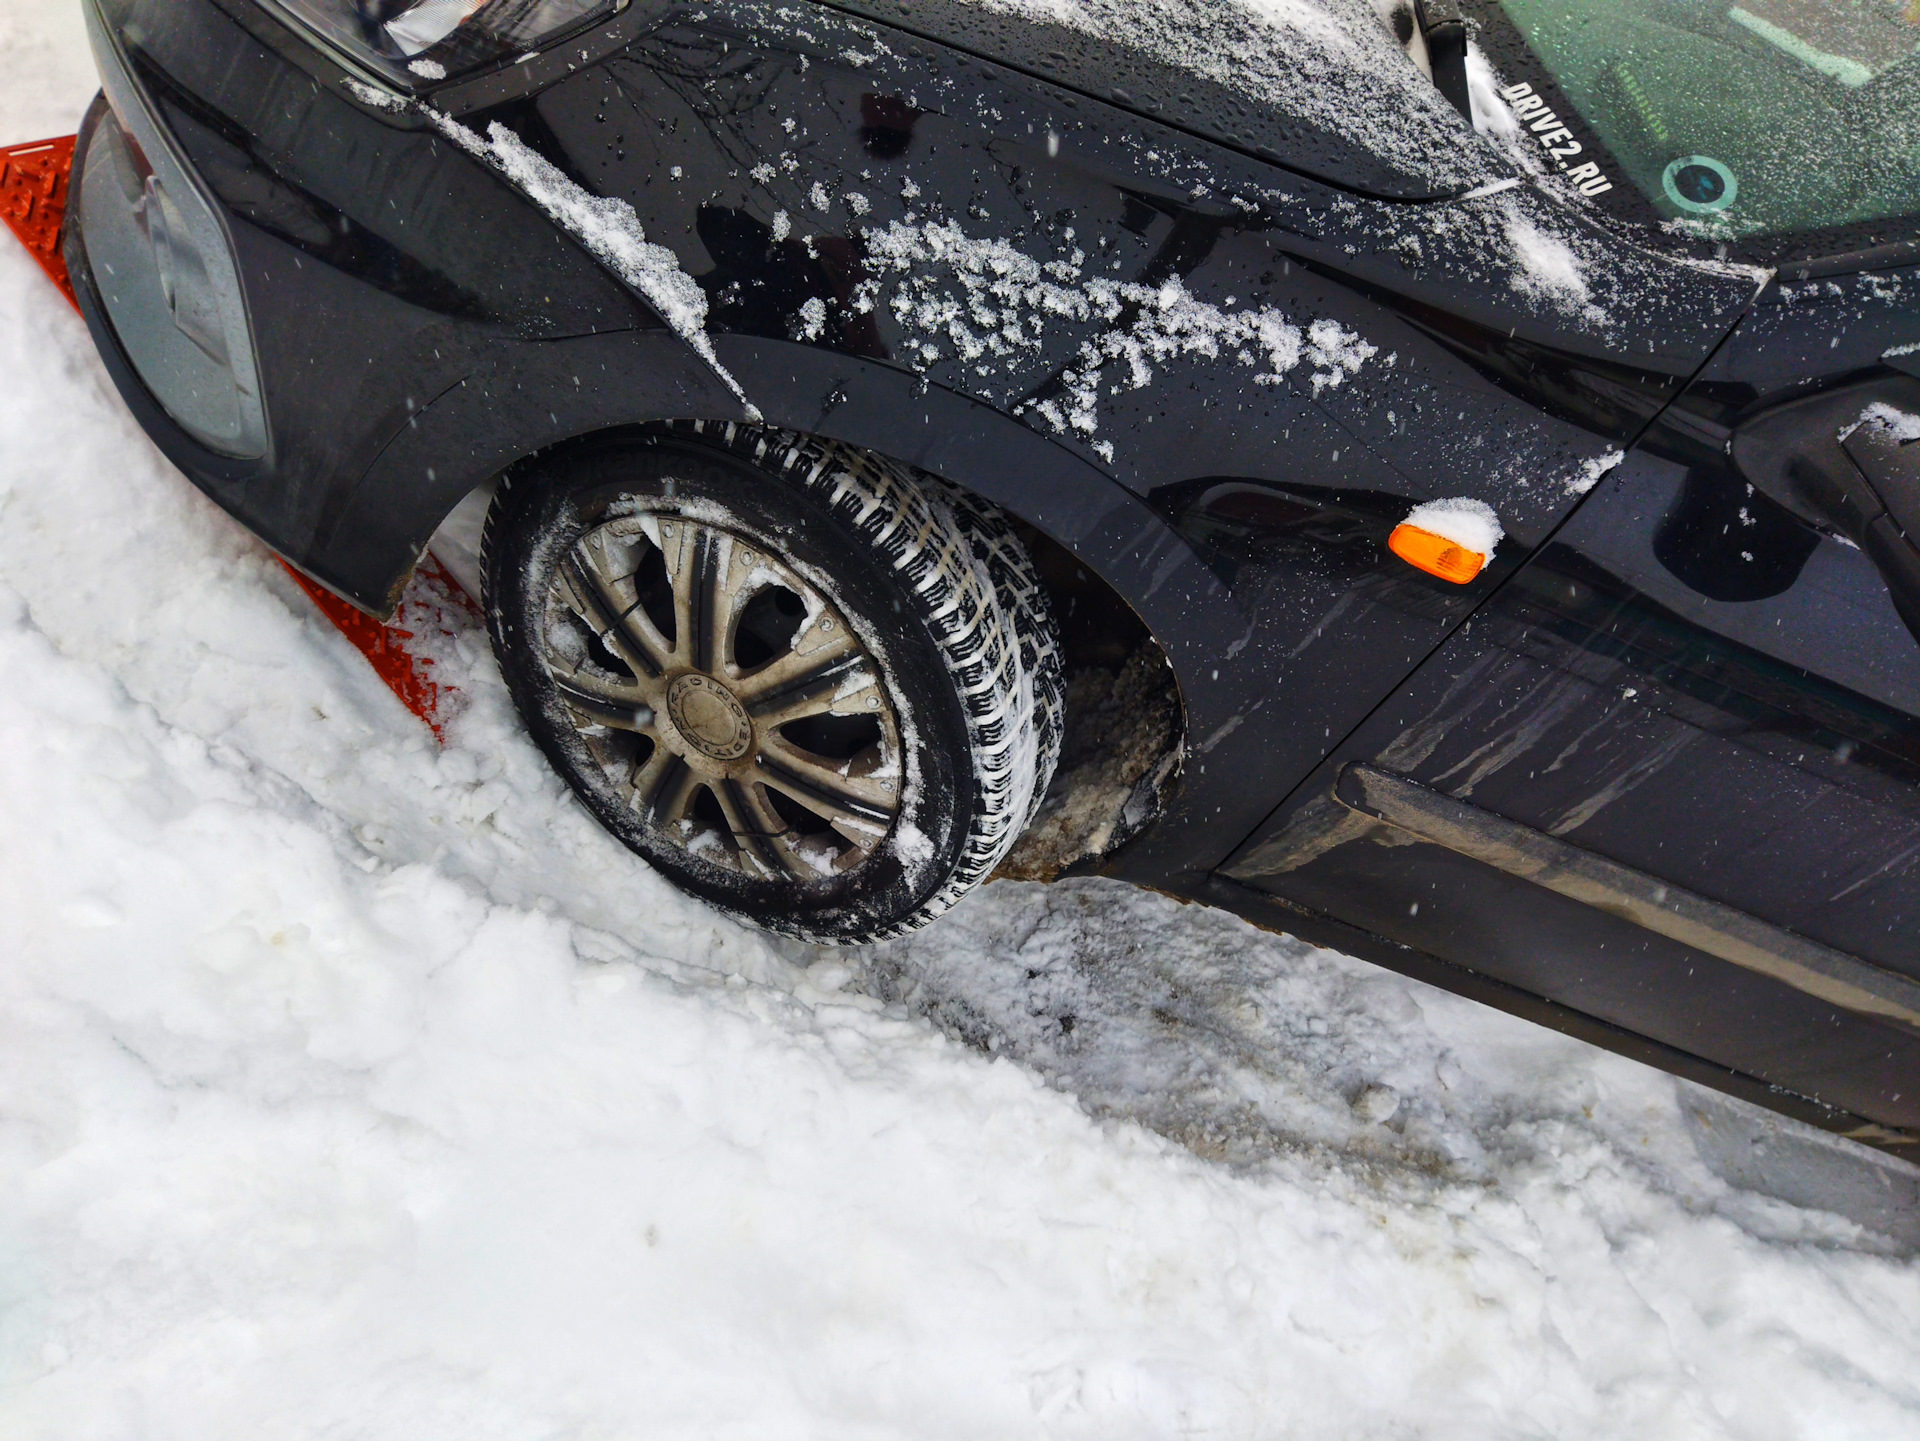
1708,926
1289,918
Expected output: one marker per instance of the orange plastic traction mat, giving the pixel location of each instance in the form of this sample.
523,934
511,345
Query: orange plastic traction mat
33,198
386,644
33,201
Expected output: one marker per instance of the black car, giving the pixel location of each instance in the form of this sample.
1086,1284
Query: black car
1444,485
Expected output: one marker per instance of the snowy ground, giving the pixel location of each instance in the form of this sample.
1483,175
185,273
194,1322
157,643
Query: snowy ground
354,1087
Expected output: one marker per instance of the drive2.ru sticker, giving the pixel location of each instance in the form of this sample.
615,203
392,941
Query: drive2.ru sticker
1533,113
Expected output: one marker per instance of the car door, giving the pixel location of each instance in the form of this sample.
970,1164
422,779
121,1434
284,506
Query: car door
1669,776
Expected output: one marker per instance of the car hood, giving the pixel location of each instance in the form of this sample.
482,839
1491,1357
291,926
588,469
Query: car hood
1317,86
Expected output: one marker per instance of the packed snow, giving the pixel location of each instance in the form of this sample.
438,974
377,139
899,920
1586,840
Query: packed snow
356,1086
1547,269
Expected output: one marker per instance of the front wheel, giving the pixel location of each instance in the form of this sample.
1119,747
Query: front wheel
812,687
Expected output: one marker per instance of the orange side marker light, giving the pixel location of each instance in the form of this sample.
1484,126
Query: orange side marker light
1435,554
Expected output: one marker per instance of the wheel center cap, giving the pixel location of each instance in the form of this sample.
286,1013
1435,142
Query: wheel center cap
709,718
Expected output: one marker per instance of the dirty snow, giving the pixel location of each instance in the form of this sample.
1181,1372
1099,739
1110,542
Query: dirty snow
351,1086
1119,761
1470,524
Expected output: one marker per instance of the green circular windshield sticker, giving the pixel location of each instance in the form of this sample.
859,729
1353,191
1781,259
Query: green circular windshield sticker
1700,184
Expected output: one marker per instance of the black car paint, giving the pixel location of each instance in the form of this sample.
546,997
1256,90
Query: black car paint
1739,690
1151,87
422,326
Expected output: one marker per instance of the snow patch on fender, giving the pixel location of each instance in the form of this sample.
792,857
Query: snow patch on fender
991,303
1592,469
608,227
378,98
1900,427
1546,269
1336,353
1470,524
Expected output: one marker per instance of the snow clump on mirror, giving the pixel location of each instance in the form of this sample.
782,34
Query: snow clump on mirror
1470,524
989,301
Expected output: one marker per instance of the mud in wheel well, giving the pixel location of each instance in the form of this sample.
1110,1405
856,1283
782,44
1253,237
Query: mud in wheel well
1125,724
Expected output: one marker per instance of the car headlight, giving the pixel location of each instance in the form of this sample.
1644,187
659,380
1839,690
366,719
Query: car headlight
417,44
162,263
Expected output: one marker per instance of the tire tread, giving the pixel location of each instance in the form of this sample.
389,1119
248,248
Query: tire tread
981,601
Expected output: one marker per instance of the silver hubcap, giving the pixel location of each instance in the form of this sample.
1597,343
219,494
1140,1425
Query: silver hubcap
725,697
708,717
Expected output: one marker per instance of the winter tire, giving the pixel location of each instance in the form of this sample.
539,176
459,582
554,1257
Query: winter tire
812,687
991,537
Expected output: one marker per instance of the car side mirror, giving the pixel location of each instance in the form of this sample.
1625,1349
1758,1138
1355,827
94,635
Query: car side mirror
1848,461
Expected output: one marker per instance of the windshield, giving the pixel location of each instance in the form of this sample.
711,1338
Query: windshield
1761,118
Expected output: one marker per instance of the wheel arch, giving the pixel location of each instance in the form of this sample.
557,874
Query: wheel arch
556,393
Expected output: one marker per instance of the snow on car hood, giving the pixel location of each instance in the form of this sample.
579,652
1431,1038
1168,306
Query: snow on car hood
1316,85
